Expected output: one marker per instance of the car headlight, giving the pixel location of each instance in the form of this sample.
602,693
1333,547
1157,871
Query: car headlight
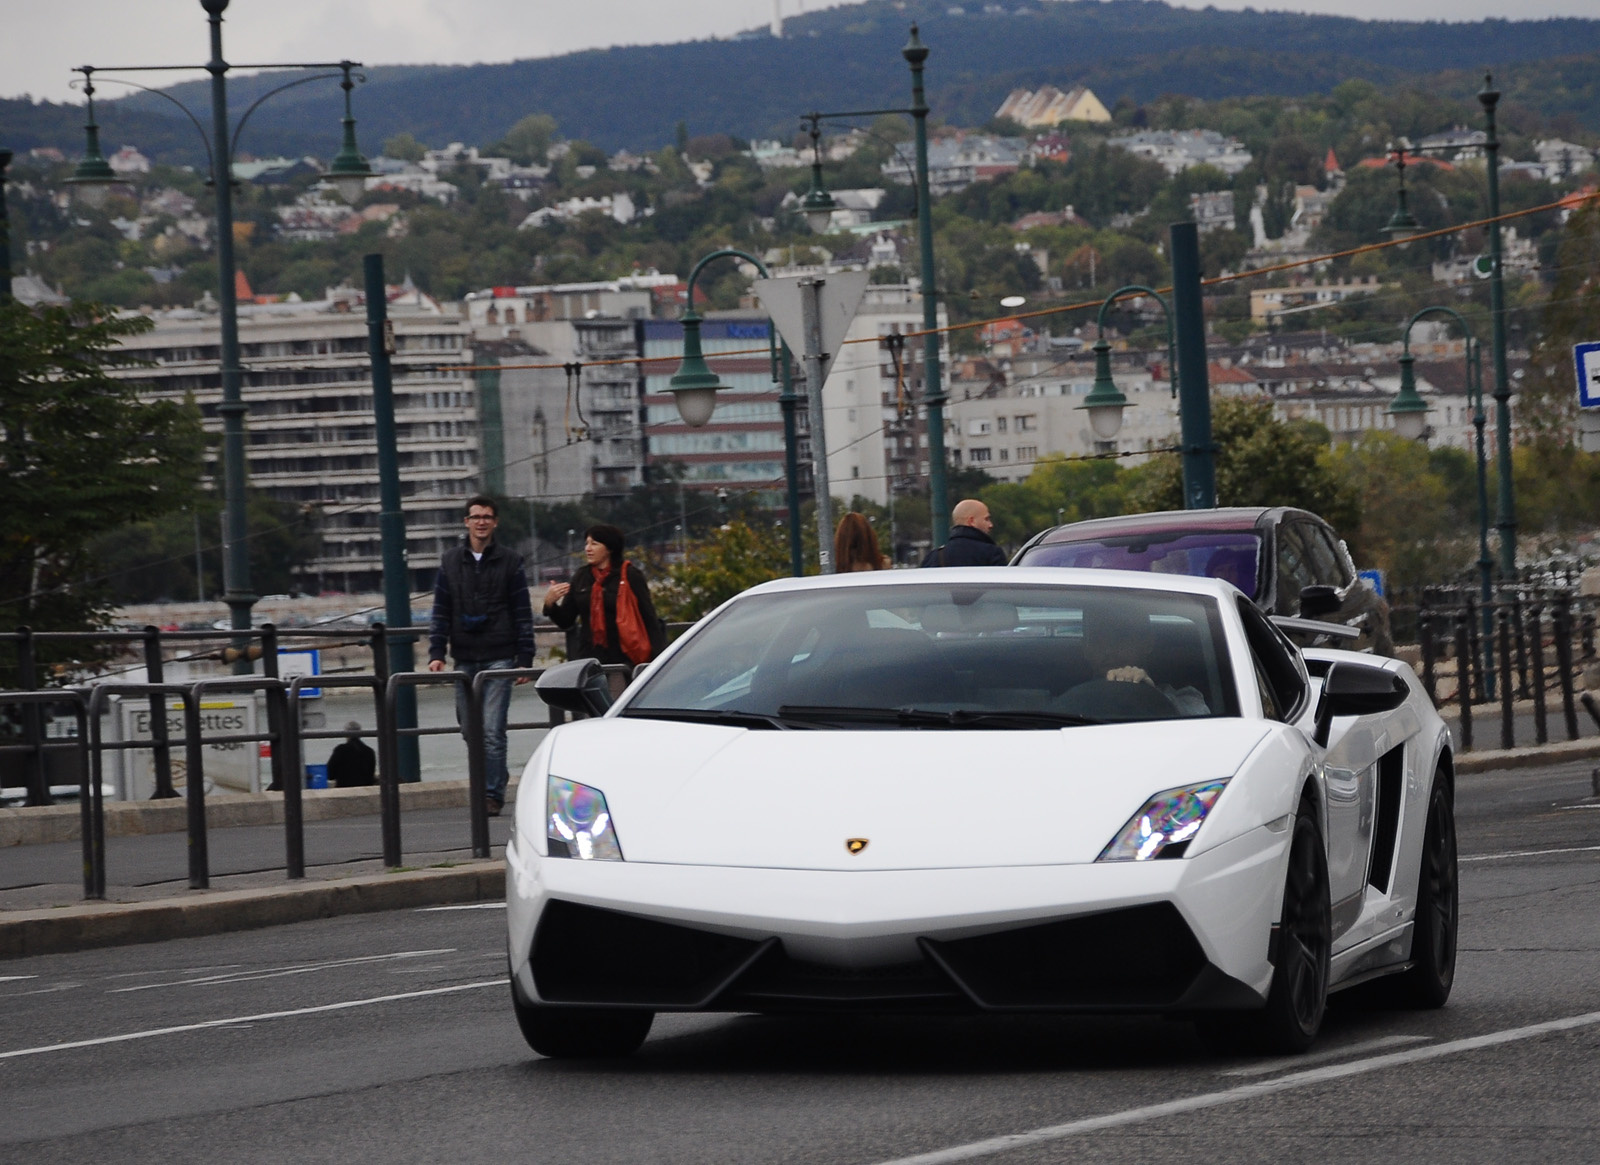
578,823
1162,828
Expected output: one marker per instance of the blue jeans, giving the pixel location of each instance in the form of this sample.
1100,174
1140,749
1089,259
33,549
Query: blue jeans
496,699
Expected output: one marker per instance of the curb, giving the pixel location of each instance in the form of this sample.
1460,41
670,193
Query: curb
110,924
1533,755
53,823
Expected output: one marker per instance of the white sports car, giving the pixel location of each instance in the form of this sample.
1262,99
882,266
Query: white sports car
970,790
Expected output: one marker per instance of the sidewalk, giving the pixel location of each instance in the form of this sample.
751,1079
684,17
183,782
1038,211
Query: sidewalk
42,908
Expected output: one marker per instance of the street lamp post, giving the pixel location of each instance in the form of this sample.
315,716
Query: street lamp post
818,201
1410,412
1403,225
93,176
694,389
1186,355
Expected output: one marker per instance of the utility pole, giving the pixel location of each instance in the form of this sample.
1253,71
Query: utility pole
391,519
1194,384
811,306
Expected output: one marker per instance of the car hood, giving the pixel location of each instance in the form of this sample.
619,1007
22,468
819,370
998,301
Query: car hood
712,795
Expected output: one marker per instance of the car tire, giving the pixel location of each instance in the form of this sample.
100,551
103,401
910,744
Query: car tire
1427,982
1303,944
573,1033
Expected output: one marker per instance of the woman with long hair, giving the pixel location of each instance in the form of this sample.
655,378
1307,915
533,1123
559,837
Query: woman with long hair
855,545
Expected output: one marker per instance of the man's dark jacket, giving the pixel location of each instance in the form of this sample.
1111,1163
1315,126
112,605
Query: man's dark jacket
352,765
574,608
481,607
968,546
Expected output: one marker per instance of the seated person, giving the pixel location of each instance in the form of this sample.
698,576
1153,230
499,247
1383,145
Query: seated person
1118,644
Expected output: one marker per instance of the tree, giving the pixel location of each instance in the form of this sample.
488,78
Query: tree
530,139
1261,461
83,455
404,147
735,558
1547,404
1407,525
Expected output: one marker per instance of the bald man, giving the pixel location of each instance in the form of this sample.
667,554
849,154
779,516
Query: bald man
969,543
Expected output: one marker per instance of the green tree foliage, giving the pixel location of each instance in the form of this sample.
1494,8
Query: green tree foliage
1408,526
1547,404
1261,461
83,455
529,140
734,558
154,560
1058,490
404,147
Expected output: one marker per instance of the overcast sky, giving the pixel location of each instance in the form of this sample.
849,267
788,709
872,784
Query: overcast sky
44,39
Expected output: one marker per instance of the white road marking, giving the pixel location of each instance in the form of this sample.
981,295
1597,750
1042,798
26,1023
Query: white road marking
1531,853
15,978
993,1145
279,972
1580,807
468,906
1267,1067
237,1020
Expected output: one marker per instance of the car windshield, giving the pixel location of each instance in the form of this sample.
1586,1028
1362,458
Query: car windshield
1231,555
952,655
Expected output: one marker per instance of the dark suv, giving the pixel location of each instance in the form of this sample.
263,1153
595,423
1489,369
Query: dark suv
1287,561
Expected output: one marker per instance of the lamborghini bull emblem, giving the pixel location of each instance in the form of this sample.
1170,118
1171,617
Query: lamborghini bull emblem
855,844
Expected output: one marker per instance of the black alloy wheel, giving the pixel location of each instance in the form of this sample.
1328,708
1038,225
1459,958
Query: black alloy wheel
1427,982
571,1033
1303,945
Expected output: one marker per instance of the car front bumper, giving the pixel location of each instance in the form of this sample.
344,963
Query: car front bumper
1181,935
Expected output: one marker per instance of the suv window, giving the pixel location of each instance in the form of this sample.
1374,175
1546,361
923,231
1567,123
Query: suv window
1331,565
1278,672
1296,569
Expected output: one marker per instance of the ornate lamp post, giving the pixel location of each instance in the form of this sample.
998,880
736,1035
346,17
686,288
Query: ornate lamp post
694,390
818,201
1410,412
1402,225
92,178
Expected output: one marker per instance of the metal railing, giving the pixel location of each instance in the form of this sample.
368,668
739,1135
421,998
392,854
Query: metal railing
284,735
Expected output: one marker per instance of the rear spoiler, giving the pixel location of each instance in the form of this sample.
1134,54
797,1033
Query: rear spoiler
1315,627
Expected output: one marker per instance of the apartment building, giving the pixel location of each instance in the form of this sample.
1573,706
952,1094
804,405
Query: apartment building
311,438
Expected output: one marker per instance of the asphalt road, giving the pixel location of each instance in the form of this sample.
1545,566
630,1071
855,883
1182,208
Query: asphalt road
390,1038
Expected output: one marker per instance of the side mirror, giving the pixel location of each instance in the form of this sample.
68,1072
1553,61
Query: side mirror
1357,689
1317,601
578,686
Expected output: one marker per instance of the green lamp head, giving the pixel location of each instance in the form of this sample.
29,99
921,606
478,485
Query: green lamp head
1104,402
1409,410
694,386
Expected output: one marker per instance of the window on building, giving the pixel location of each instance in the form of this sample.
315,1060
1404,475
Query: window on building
1028,423
983,453
1027,452
1005,455
999,424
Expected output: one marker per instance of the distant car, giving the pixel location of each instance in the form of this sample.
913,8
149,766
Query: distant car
1288,562
979,791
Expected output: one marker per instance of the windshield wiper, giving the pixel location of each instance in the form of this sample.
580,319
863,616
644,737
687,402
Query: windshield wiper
731,717
921,717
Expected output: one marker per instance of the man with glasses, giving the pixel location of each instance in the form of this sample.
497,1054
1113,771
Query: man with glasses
481,607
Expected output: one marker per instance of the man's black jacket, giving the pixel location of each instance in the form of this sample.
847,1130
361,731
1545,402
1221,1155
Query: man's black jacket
968,546
481,607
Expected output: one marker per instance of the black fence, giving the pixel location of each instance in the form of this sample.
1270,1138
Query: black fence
79,759
1528,644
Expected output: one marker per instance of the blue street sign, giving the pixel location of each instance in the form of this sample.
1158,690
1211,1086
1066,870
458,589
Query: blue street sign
1374,578
1587,359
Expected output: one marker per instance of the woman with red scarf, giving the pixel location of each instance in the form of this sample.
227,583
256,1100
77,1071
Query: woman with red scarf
616,624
